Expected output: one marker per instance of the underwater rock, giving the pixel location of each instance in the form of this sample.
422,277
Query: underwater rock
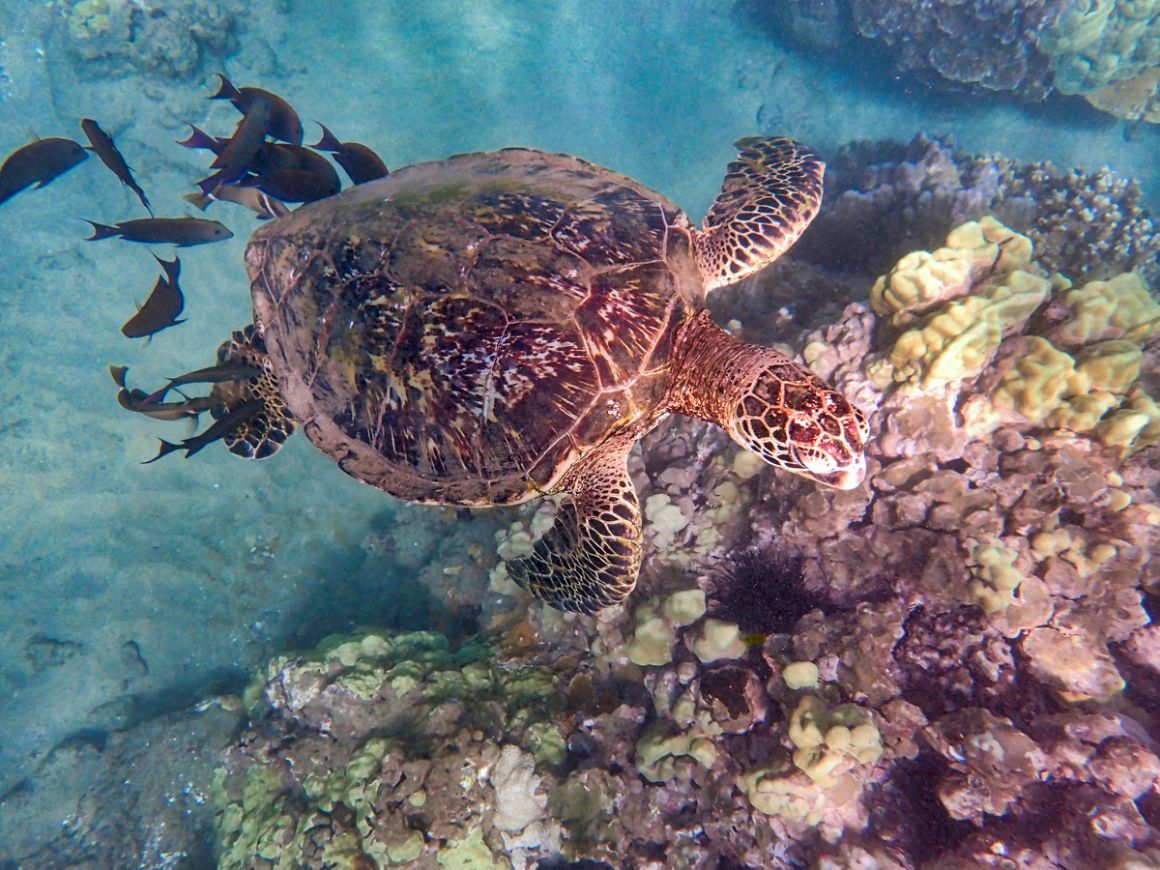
174,39
991,762
137,798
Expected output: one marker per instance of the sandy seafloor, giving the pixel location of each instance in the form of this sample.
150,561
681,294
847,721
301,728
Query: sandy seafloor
125,588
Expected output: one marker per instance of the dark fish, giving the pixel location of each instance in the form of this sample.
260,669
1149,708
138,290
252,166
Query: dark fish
284,122
138,401
181,232
201,139
262,204
248,135
38,163
209,375
102,145
295,185
358,161
239,415
161,308
171,268
279,155
292,173
232,161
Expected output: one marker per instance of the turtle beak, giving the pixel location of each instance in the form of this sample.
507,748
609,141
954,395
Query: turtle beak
819,467
850,477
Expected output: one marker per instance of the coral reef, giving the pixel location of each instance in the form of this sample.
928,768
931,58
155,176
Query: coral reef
989,45
380,750
1134,99
1104,50
886,199
965,638
1092,44
952,663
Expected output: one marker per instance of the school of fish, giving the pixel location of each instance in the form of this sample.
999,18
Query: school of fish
263,166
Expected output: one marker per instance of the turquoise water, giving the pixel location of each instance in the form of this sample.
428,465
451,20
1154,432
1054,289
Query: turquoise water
131,594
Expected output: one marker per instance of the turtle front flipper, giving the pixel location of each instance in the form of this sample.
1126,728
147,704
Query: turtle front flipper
590,557
770,194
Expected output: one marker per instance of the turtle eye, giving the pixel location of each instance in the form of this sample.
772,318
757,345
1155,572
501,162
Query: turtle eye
856,429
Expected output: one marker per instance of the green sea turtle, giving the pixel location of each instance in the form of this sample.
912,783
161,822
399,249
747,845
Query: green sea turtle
498,326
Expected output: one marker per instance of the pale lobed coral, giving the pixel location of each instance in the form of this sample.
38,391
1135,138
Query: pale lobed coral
1092,44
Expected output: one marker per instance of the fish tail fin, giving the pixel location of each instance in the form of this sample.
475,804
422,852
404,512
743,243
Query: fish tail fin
200,201
101,231
227,91
328,142
172,269
167,447
198,138
210,184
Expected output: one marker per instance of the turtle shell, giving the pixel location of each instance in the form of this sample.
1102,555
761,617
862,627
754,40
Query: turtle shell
461,331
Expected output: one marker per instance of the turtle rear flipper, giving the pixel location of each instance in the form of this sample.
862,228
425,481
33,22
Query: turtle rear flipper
770,194
590,557
248,412
262,433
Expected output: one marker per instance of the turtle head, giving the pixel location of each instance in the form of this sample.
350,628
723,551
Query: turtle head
792,419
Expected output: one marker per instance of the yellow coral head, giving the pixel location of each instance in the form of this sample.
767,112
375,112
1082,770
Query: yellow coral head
794,420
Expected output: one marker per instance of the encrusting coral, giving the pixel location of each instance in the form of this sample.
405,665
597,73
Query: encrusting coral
392,750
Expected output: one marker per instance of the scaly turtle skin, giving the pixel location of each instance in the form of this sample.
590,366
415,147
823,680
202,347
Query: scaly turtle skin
500,326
